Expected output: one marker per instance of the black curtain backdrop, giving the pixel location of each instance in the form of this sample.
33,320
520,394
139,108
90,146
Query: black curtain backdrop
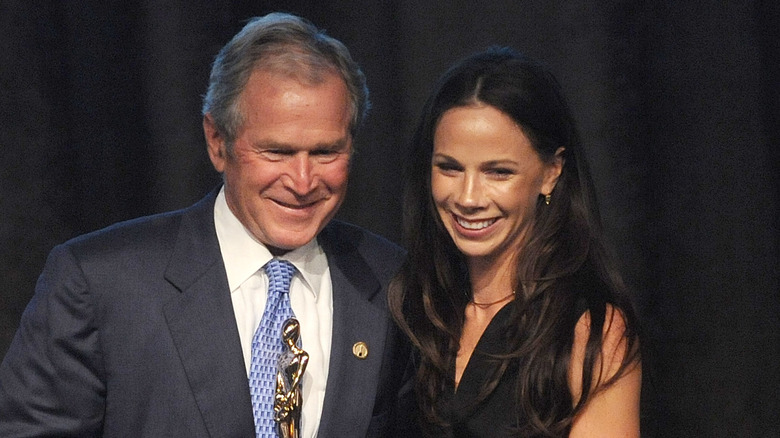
678,103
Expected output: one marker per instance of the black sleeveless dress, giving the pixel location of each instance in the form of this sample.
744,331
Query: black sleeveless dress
496,416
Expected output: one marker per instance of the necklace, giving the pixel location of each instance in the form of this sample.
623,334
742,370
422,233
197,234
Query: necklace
492,303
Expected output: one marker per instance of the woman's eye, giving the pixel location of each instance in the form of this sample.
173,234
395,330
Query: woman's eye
447,167
500,172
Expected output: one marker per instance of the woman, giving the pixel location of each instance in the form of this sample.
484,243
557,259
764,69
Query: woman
521,323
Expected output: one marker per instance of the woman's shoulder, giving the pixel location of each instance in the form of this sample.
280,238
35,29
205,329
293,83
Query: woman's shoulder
614,330
599,303
612,406
618,346
603,313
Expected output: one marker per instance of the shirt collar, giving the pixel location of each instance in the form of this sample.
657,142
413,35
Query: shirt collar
243,255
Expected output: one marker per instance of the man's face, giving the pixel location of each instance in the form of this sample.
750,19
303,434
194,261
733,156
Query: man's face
286,175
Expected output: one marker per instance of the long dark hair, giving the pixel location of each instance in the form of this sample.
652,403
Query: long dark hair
562,269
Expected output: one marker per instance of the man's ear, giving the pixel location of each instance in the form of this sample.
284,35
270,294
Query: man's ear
553,171
215,143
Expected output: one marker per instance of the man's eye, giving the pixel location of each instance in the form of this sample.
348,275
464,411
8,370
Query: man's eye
280,151
325,156
323,152
276,154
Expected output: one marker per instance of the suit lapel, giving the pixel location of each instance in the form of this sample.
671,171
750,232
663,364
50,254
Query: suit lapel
359,315
202,324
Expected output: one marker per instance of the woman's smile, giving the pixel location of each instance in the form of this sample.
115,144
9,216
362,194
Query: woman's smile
486,180
474,224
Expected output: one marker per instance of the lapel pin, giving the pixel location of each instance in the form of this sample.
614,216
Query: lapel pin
360,350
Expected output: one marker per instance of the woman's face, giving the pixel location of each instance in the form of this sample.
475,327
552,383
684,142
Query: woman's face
486,179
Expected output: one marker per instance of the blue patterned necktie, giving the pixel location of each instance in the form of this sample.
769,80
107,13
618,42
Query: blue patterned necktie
267,345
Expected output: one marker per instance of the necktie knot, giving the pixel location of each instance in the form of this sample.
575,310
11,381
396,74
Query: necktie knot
280,274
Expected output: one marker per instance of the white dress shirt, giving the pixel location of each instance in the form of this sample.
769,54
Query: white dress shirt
311,298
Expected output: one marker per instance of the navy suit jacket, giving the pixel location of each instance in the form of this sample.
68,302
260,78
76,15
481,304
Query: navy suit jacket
131,333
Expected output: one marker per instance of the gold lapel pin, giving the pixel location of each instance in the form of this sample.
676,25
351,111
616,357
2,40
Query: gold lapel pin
360,350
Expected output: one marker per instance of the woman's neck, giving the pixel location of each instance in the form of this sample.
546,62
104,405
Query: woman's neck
491,280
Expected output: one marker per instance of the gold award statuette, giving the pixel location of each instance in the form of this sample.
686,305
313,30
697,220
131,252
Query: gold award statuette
289,372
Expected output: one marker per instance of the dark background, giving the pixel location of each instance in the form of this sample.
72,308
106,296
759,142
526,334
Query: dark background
678,104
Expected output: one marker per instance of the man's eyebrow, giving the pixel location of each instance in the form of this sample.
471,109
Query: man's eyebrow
336,145
272,145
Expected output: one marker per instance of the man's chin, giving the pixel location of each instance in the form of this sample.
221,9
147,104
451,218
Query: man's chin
276,251
289,240
286,232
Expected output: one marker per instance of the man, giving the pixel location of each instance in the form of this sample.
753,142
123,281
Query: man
147,328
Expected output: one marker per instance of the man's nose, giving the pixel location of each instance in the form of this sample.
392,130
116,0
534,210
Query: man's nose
302,178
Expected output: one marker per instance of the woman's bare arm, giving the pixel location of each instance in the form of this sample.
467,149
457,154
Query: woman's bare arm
611,411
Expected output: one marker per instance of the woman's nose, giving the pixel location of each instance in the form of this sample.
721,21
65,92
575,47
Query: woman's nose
471,192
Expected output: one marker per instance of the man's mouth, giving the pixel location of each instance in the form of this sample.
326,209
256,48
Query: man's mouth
297,205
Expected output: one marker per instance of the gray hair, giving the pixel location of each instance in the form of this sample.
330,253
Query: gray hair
284,44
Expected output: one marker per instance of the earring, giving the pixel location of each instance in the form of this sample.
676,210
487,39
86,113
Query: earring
547,198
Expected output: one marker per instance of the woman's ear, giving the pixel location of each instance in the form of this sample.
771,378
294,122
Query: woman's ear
553,171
